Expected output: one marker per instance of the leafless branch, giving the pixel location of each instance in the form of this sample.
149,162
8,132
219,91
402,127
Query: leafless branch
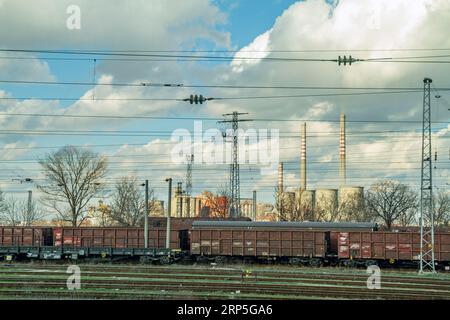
73,178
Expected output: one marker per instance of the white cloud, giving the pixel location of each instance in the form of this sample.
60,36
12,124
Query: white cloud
255,51
351,24
24,69
139,24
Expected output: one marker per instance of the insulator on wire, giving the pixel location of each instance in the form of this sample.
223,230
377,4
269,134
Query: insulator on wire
197,99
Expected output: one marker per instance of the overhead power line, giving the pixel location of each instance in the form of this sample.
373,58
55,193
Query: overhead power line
203,99
161,50
217,86
203,118
159,55
165,50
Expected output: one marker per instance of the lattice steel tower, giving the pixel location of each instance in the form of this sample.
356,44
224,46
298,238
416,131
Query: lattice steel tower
426,188
234,208
190,161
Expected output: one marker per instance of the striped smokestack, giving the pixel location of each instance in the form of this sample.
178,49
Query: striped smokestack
342,163
303,158
280,177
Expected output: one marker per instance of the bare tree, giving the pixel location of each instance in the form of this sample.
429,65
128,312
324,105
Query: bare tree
300,208
328,209
73,178
389,200
30,212
352,208
10,214
407,218
288,206
128,204
16,212
101,214
442,209
348,208
3,205
281,205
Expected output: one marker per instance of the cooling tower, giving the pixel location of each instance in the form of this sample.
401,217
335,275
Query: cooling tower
326,203
326,198
303,158
342,155
351,199
307,200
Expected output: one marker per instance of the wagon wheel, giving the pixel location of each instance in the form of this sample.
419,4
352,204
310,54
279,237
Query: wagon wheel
220,260
315,263
165,260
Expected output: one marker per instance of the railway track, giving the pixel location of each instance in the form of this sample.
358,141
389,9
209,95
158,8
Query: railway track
142,282
233,272
312,279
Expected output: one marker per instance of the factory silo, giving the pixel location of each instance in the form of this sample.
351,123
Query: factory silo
326,204
351,201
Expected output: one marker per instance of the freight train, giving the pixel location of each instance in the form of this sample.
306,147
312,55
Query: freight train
220,241
313,243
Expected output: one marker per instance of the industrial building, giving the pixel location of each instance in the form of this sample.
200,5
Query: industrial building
323,204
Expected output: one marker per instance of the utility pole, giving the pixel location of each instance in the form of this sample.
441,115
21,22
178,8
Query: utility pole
169,208
190,161
30,195
426,188
234,207
146,216
254,205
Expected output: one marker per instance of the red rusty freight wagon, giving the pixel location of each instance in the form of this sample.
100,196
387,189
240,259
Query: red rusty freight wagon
25,236
392,246
256,239
116,237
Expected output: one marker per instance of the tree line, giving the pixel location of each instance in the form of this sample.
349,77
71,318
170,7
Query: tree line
73,177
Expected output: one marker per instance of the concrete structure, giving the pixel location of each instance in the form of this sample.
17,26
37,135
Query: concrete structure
326,204
306,200
180,205
350,199
280,177
247,208
342,153
303,158
351,194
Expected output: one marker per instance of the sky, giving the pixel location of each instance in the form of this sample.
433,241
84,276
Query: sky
251,33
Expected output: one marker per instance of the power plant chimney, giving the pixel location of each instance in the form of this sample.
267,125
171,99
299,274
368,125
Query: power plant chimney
280,177
303,158
342,161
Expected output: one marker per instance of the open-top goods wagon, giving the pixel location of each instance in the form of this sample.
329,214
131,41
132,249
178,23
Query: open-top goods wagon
389,247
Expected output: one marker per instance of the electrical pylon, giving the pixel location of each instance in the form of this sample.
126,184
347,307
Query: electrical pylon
234,208
426,188
190,160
